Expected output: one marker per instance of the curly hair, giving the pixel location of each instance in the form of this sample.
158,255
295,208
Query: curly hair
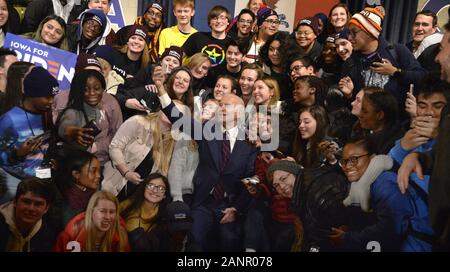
288,49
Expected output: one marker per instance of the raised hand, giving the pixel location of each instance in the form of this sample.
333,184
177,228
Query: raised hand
134,104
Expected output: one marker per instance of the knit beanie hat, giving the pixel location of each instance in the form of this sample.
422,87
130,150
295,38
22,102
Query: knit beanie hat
155,5
173,51
283,165
264,12
105,52
369,20
92,16
312,22
343,34
39,83
139,31
84,60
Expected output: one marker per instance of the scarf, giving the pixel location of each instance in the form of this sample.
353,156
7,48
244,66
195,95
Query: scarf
359,194
153,46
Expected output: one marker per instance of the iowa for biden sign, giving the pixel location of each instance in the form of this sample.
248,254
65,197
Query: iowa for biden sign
59,63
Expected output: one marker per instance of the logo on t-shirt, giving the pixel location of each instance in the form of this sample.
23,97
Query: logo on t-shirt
215,52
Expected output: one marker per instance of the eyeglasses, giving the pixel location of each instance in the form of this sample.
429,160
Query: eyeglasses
304,34
94,25
352,160
219,18
272,22
353,32
296,68
242,21
157,15
159,188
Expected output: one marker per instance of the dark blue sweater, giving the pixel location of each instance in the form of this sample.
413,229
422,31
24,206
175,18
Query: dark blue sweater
400,57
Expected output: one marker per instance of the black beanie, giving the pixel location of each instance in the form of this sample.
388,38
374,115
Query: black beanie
39,83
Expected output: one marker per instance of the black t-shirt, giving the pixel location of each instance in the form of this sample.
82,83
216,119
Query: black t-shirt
122,63
205,43
211,79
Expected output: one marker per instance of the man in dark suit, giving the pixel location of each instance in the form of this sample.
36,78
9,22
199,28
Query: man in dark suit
224,159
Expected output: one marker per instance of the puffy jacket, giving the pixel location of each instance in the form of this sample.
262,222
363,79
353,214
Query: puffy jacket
393,212
318,196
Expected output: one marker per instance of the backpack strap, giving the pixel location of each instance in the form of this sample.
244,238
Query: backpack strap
393,51
420,192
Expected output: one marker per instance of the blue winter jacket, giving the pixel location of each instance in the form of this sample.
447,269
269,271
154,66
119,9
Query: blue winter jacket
419,222
393,211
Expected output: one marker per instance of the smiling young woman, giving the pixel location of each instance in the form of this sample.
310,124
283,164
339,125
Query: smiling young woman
51,31
99,229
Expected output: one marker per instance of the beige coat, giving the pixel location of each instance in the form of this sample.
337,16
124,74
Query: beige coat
130,145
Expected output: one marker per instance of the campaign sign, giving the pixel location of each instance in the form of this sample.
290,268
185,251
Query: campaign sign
59,63
115,14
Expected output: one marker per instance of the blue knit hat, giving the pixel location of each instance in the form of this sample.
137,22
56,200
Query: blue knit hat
39,83
263,13
105,52
343,34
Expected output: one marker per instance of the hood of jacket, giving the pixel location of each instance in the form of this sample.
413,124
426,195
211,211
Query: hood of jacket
16,240
105,25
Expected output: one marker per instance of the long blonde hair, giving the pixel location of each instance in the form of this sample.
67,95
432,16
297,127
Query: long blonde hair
196,60
163,143
106,244
145,56
273,85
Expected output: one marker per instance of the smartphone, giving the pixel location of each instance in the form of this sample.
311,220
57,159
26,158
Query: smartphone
95,130
45,137
411,89
374,57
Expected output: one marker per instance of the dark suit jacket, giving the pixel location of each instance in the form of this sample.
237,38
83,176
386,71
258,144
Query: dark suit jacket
208,174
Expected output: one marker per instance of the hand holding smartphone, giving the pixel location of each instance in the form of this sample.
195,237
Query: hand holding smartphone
374,58
95,130
44,137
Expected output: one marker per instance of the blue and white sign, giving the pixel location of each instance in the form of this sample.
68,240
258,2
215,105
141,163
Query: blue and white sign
60,63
